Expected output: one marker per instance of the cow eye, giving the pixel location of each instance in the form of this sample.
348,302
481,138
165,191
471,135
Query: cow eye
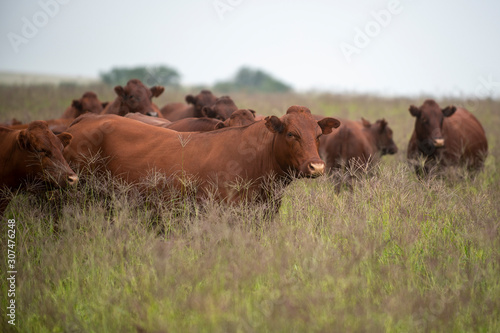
289,135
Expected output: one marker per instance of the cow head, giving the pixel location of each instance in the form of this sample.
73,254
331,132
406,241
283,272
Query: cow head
296,140
221,109
136,97
429,124
241,117
204,98
88,103
382,135
44,157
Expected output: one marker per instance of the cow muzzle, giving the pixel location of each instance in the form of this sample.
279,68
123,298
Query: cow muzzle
315,169
438,142
72,180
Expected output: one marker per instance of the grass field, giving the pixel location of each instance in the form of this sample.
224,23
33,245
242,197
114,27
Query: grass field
394,253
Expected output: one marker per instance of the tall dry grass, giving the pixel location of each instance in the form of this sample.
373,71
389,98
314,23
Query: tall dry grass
393,252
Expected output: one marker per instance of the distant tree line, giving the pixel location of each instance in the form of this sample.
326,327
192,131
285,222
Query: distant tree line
246,79
252,80
149,75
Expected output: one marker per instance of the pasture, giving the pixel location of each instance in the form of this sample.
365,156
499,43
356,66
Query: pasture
392,253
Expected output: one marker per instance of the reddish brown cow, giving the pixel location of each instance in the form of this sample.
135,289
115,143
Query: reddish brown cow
449,136
34,153
176,111
240,117
87,103
218,160
357,143
222,108
135,97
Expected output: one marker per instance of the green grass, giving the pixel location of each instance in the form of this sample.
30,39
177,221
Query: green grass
393,253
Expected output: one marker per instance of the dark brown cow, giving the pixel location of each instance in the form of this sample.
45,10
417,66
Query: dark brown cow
34,153
449,136
176,111
135,97
218,160
357,143
222,109
240,117
87,103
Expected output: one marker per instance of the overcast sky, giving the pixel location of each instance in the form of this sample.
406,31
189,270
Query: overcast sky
405,47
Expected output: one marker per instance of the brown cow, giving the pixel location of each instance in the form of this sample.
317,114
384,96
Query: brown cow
449,136
34,153
222,108
240,117
218,160
176,111
135,97
357,143
87,103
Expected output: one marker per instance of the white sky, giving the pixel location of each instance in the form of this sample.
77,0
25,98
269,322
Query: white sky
448,47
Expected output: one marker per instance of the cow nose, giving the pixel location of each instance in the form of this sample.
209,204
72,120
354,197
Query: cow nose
72,180
439,142
317,168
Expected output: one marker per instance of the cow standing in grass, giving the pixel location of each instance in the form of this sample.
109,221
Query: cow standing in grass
449,136
135,97
357,144
87,103
230,164
176,111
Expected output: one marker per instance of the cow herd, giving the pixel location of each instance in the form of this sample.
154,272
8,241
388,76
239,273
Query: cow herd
226,152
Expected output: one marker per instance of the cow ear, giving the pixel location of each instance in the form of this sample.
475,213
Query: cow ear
274,124
253,112
157,90
104,104
327,124
208,112
77,104
23,139
414,111
120,91
65,138
365,122
220,125
383,124
190,99
448,111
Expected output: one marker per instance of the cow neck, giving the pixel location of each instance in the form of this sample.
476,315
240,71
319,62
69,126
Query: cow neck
372,140
266,157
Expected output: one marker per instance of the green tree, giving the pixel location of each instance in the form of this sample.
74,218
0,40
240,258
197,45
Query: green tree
149,75
253,80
